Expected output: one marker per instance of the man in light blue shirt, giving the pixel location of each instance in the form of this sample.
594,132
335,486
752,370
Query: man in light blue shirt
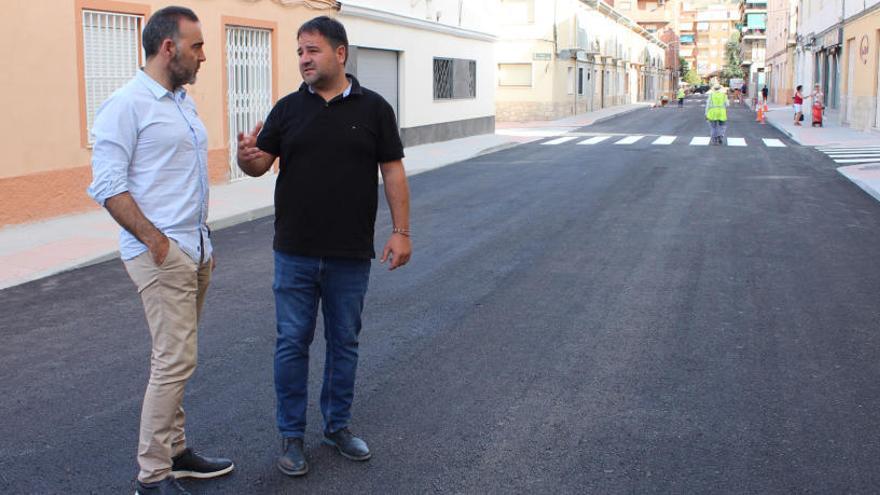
149,165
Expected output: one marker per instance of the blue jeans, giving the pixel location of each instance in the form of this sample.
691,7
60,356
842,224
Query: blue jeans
340,285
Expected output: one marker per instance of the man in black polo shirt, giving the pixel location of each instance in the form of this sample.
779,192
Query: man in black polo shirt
331,135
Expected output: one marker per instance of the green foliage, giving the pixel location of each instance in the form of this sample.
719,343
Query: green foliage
692,77
683,67
733,67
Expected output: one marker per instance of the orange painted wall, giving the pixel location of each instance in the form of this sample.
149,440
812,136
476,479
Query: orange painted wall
45,166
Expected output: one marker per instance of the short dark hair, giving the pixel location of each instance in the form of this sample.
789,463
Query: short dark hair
799,87
164,24
329,28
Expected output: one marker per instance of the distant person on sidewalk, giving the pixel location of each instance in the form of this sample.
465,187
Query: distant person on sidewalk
798,100
764,93
680,97
149,164
716,113
818,111
332,135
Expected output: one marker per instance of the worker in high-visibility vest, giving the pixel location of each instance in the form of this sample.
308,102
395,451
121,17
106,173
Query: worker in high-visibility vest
716,113
680,97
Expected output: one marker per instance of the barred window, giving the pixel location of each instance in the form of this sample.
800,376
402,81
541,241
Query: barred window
454,78
111,55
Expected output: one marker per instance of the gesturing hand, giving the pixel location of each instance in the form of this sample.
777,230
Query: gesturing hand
247,145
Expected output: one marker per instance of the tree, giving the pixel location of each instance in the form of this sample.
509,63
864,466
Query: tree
733,68
692,77
683,67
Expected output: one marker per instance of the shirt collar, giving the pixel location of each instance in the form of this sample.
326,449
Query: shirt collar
157,89
344,93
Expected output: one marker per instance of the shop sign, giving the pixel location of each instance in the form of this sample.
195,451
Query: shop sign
830,39
864,48
540,56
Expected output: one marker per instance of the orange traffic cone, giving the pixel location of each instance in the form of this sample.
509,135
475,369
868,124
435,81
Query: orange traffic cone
761,110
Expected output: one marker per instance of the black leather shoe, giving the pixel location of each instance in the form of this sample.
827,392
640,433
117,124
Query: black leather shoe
292,461
168,486
348,445
191,464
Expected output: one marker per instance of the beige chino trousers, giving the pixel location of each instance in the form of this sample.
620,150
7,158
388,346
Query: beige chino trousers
173,294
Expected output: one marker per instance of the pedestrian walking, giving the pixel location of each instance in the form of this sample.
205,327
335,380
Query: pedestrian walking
798,100
331,136
716,113
764,93
680,97
149,164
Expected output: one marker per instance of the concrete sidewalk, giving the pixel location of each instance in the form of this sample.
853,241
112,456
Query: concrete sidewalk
829,137
33,251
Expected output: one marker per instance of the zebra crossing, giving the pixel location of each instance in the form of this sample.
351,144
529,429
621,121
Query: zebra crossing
623,140
851,155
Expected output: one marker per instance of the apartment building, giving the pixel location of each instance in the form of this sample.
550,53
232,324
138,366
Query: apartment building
780,55
753,42
662,19
430,59
715,25
580,56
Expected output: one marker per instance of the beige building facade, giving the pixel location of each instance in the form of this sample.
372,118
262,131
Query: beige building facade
579,57
715,25
861,77
85,49
780,56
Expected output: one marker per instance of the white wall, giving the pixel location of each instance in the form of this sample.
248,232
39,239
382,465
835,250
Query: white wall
417,49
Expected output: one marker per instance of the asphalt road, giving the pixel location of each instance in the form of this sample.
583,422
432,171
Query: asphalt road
575,319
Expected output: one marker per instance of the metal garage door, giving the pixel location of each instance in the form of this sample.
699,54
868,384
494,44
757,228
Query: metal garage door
377,70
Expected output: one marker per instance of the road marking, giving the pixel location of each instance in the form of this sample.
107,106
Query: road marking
560,140
664,140
860,160
700,141
629,140
851,152
773,143
854,148
594,140
736,141
854,155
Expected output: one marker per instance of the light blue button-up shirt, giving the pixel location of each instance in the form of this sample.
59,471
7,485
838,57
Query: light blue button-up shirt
151,143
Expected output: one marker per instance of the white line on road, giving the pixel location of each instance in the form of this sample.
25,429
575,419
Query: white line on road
664,140
594,140
854,155
629,140
700,141
853,152
860,160
736,141
854,148
560,140
773,143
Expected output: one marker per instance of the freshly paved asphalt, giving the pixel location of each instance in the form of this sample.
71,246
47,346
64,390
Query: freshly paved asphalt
602,319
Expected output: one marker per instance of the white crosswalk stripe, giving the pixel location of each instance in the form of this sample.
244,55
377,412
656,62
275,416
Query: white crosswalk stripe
560,140
594,140
859,154
853,155
773,143
664,140
629,140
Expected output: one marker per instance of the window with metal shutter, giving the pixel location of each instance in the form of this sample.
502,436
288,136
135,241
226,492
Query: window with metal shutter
111,55
249,84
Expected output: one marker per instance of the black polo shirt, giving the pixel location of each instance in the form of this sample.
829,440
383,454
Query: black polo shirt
326,193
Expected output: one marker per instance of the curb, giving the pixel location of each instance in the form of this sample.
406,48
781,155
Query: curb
609,117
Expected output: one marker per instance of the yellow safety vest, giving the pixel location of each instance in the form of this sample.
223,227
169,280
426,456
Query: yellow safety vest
717,108
680,94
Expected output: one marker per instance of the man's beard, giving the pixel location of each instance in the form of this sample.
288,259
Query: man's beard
179,74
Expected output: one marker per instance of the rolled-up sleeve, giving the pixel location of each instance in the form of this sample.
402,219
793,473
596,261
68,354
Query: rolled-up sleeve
115,137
